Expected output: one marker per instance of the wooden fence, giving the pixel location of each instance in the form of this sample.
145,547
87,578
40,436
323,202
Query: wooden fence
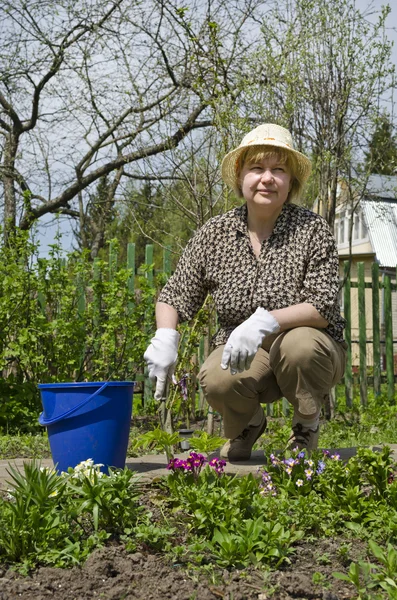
377,333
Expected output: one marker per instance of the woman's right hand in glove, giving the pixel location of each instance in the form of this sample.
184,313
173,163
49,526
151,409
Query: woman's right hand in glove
161,356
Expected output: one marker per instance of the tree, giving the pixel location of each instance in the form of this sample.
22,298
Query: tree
329,68
381,157
96,216
104,89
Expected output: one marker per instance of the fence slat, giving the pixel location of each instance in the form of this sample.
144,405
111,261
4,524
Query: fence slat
131,277
148,385
97,295
149,261
167,261
112,261
348,335
389,340
375,327
80,296
362,333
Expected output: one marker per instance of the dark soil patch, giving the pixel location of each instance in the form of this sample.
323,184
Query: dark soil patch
113,574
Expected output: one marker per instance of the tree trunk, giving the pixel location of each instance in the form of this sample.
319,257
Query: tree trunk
8,178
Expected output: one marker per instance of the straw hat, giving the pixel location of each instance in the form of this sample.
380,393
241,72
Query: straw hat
265,135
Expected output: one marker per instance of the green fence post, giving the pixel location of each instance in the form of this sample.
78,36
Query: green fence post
40,296
201,359
270,410
96,292
81,301
389,340
112,260
362,333
148,385
286,407
348,335
375,327
167,261
149,261
131,276
41,302
80,296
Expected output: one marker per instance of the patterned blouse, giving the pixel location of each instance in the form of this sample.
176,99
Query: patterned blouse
297,263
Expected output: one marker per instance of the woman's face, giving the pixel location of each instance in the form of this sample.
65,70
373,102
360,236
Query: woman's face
266,184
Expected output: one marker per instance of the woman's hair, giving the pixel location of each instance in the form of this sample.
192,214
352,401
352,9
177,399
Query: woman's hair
257,154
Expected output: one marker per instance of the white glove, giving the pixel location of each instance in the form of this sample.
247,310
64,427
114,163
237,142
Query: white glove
244,341
161,356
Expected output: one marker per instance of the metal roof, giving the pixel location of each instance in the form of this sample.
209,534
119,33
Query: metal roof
381,220
381,186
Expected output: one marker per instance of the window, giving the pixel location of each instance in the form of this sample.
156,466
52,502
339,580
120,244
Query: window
364,230
356,228
342,228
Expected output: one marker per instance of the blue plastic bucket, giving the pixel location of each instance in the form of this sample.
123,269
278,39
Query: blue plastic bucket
87,420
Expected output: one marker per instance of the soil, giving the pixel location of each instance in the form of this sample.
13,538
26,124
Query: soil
111,573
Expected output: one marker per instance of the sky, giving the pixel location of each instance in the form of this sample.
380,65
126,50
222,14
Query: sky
48,229
391,20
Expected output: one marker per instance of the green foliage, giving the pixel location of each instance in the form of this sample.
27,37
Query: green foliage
59,519
25,446
369,578
205,443
203,515
111,501
70,324
65,320
157,439
382,155
19,405
157,537
33,521
255,541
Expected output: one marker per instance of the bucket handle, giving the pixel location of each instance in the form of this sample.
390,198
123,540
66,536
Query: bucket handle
45,422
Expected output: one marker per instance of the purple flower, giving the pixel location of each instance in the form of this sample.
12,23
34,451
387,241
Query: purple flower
320,467
218,465
171,464
301,455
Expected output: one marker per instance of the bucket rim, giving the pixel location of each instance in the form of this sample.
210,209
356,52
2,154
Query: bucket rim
78,384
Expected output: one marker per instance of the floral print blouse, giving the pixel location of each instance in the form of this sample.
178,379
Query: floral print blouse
297,263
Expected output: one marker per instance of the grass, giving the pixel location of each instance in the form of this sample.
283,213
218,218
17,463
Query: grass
24,446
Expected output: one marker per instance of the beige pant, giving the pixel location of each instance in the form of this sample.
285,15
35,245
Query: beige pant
301,364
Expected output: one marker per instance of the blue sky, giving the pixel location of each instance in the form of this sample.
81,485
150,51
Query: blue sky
391,20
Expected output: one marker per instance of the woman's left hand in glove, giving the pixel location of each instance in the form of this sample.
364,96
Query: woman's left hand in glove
246,339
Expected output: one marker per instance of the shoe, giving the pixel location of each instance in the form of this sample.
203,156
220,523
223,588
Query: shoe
240,448
303,438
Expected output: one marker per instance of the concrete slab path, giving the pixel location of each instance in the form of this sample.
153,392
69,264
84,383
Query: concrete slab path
153,466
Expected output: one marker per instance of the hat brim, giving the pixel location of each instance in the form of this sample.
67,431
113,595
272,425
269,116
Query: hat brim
230,162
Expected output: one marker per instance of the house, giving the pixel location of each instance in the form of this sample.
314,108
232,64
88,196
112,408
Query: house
373,239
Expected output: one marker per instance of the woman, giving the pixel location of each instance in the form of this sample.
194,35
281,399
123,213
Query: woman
271,267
